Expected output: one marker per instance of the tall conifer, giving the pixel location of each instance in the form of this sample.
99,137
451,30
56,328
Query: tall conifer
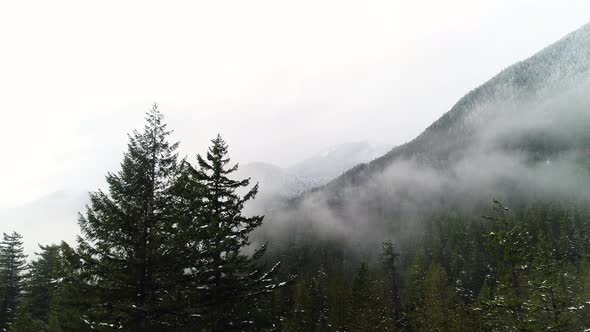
127,259
12,268
232,282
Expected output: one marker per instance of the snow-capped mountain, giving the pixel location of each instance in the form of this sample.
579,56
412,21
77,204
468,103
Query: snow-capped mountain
312,172
274,180
277,185
540,103
521,136
334,161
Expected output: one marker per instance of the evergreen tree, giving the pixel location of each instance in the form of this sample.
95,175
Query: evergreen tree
68,302
389,259
231,283
302,316
321,305
43,280
413,296
556,286
367,309
439,302
24,321
127,248
52,298
12,268
509,243
310,309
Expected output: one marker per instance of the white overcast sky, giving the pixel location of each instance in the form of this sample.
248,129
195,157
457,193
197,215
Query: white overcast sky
279,79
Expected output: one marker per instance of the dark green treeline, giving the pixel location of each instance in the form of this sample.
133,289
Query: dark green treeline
163,249
525,270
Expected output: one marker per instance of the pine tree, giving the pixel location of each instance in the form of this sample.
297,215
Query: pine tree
556,286
43,280
51,294
322,310
413,296
439,303
367,309
127,246
509,243
310,309
68,303
301,318
231,281
12,268
389,259
24,321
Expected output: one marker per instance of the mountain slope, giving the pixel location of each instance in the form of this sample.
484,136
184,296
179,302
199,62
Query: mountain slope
560,70
49,217
334,161
278,185
520,137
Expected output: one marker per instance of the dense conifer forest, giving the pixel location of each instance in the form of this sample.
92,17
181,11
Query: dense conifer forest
161,250
307,172
167,248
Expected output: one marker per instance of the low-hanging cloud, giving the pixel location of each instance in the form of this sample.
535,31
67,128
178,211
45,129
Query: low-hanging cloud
528,145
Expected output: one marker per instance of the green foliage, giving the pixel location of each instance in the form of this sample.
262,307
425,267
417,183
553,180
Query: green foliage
536,279
302,317
368,311
24,321
390,260
228,285
165,249
514,271
439,302
521,270
414,294
12,268
128,263
68,302
43,281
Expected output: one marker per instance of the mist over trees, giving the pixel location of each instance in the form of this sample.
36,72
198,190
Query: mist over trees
482,223
162,249
519,137
168,248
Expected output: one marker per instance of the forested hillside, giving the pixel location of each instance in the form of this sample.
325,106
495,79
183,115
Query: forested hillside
520,137
162,249
544,95
465,228
482,223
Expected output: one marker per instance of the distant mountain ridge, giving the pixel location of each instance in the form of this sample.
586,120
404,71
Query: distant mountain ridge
334,161
520,137
56,213
315,171
561,65
51,216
